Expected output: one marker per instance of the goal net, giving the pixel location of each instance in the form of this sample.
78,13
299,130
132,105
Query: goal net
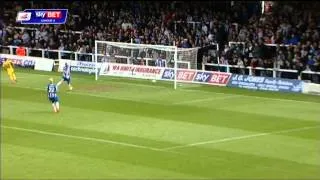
144,61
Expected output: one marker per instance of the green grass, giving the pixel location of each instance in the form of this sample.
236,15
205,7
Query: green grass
127,129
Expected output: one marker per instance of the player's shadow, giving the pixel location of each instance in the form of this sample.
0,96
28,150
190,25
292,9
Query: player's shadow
40,112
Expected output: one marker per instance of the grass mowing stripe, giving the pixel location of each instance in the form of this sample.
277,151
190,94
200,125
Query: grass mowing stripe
113,142
199,90
241,137
139,83
158,149
130,99
256,157
87,167
91,94
183,102
91,139
207,99
182,113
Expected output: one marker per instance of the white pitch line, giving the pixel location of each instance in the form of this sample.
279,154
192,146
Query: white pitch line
101,141
82,138
239,138
207,99
164,150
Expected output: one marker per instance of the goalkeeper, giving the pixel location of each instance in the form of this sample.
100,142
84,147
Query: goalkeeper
8,66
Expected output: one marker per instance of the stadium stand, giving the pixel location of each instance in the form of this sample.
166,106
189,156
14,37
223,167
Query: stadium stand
287,38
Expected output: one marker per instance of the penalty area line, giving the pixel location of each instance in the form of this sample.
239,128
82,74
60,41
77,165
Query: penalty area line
82,138
240,138
97,140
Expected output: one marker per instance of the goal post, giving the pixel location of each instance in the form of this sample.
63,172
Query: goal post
175,66
96,60
144,61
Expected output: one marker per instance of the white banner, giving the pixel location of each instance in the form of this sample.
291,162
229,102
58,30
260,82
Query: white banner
79,66
44,64
311,88
24,61
129,70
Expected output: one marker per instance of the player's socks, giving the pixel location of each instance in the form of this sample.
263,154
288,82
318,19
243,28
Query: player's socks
14,78
13,81
54,108
59,83
57,106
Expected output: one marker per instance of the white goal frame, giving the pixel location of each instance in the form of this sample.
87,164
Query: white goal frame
131,46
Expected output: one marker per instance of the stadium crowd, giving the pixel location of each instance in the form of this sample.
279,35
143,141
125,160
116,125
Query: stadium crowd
294,27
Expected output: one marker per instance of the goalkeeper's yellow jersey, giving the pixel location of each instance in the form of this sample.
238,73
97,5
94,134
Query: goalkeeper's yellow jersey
8,65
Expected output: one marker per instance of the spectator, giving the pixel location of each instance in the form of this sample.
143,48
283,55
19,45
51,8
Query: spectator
160,62
241,66
293,40
21,51
292,24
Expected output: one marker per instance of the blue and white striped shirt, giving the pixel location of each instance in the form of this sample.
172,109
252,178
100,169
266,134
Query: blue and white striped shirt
67,71
160,62
52,90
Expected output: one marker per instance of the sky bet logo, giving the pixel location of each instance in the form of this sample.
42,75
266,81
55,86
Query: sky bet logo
43,16
48,14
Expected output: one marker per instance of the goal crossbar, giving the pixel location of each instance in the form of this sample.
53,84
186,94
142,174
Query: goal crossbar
143,46
138,46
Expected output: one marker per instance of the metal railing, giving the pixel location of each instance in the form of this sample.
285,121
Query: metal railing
251,69
50,53
72,55
34,29
272,72
305,75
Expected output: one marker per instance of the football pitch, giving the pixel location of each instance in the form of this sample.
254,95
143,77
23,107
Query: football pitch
120,128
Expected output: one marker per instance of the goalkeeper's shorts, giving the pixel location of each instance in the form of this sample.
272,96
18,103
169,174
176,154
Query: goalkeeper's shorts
10,71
